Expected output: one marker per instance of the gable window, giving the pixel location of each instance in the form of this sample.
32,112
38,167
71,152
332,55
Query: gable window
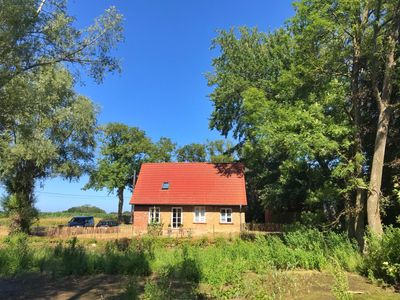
226,215
199,214
165,185
154,215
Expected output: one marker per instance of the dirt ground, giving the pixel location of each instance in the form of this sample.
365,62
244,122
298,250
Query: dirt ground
309,285
43,287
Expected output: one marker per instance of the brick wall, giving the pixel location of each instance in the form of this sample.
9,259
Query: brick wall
212,224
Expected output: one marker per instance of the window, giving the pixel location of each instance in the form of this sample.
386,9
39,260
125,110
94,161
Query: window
176,217
165,185
154,215
199,214
226,215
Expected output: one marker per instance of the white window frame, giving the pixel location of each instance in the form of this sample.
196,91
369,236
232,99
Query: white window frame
200,219
172,216
153,212
223,216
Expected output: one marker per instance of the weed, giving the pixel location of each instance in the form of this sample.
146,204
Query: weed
340,287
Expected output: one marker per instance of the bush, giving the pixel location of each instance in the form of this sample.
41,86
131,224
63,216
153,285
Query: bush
16,256
383,256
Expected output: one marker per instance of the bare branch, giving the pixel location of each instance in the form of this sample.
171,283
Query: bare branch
40,7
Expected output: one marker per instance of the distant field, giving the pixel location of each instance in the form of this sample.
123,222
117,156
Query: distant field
53,220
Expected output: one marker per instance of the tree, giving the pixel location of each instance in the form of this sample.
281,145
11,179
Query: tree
123,149
385,87
287,133
46,129
305,100
39,33
220,151
87,209
54,135
366,33
192,153
163,150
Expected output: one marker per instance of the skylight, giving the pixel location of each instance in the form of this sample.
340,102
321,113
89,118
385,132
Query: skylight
165,185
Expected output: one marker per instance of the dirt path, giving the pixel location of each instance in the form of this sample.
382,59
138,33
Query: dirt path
308,285
43,287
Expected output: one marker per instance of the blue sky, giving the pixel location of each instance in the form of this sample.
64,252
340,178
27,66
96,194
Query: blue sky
162,88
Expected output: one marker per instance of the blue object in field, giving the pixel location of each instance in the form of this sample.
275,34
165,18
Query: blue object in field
81,222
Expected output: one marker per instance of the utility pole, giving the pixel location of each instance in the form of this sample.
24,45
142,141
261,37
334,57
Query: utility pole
133,190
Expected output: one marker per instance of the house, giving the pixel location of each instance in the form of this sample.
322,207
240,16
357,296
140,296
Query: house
200,197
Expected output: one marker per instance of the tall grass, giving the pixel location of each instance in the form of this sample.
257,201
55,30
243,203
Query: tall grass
222,264
222,261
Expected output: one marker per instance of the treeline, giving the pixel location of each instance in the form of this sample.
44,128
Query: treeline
85,209
315,107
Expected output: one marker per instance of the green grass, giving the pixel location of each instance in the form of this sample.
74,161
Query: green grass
219,268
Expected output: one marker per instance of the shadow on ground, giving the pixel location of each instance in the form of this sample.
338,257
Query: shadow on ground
70,287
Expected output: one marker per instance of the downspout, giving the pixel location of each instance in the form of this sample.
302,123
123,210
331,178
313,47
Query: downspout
133,189
240,213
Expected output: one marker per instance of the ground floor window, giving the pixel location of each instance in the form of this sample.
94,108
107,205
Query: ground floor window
199,214
226,215
176,217
154,215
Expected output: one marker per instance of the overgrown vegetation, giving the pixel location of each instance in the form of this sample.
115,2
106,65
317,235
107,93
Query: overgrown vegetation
236,267
382,261
221,264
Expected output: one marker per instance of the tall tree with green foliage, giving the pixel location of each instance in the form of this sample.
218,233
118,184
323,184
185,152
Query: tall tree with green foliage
194,152
220,151
304,102
53,136
358,43
163,150
122,151
37,33
287,134
46,129
217,151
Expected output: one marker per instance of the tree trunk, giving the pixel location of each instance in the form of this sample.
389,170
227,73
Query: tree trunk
359,220
120,203
382,97
374,218
20,200
356,208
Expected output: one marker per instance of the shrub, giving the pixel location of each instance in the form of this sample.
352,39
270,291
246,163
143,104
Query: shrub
16,256
155,229
382,260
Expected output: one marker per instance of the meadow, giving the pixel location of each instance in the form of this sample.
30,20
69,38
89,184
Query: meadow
303,263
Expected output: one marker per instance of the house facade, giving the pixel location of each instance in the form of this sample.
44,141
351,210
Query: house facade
199,197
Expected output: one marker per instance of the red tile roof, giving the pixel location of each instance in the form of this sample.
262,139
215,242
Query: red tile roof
191,184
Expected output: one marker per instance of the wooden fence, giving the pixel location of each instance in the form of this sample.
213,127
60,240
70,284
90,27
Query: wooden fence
122,231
